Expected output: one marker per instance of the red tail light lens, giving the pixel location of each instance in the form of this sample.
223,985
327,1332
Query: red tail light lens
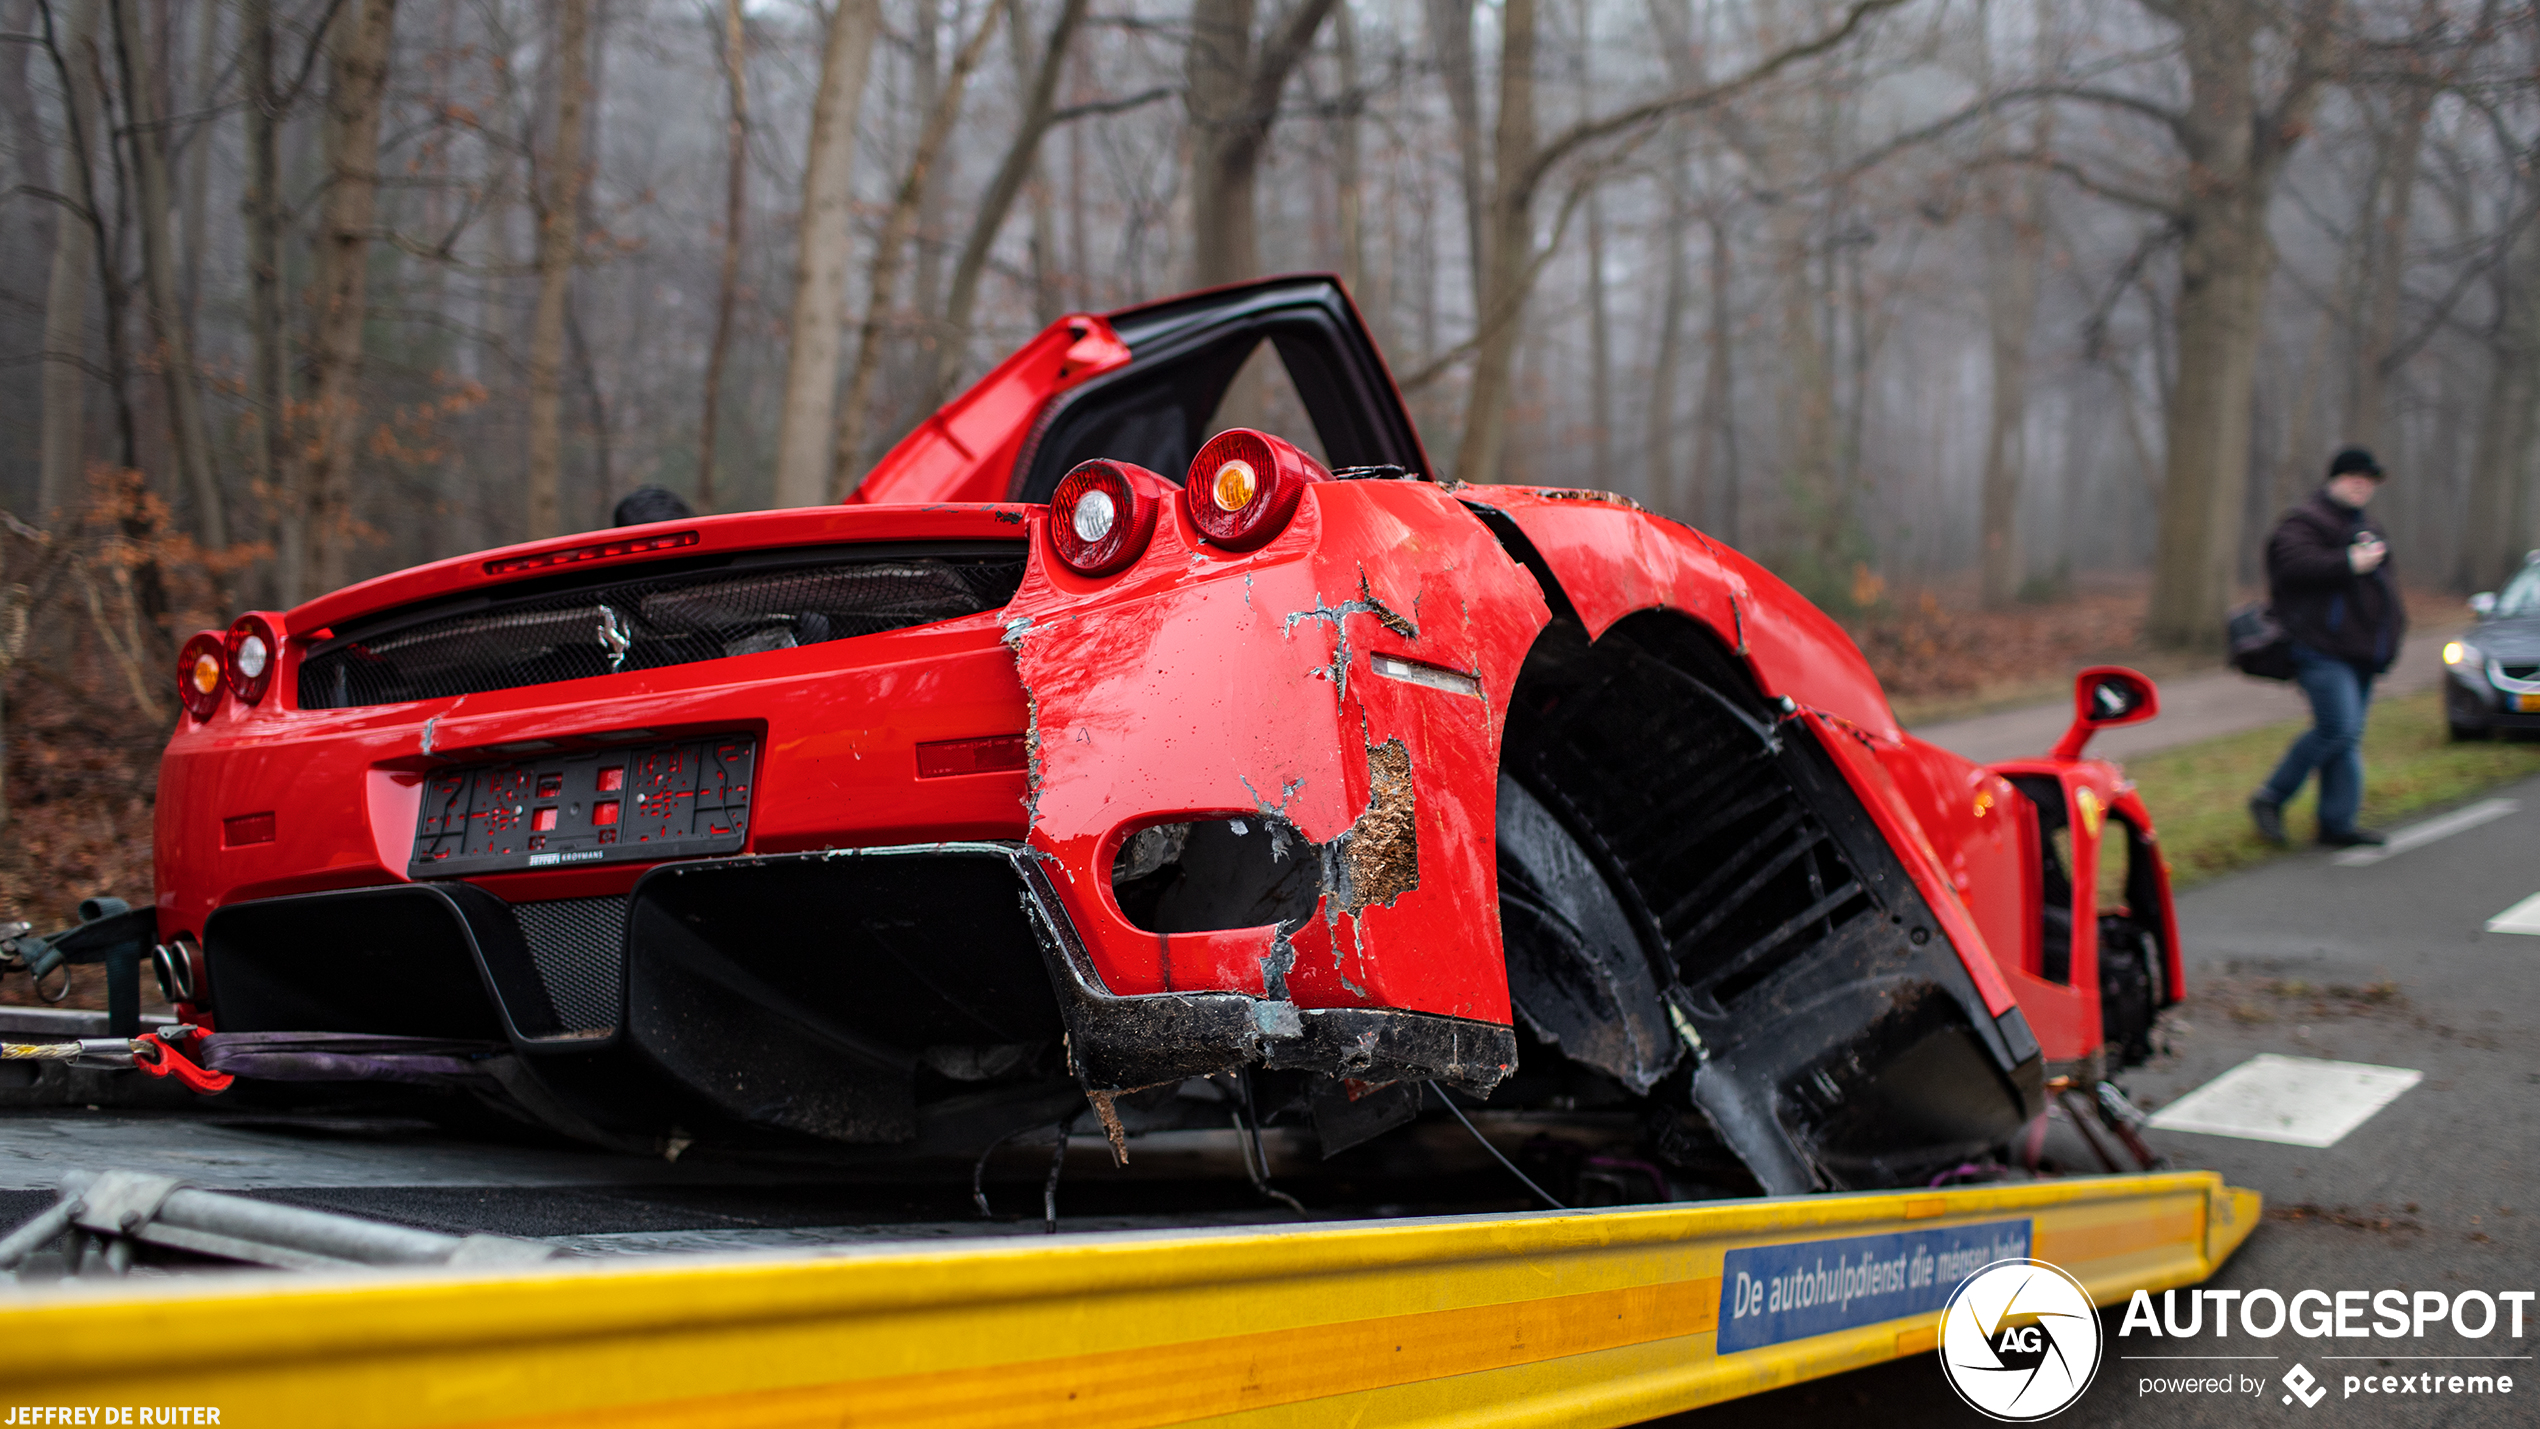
1244,486
250,655
1100,518
202,673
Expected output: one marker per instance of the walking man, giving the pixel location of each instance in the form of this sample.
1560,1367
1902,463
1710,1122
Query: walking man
2329,577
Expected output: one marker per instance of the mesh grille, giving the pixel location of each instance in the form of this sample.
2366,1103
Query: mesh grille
579,948
2524,671
601,627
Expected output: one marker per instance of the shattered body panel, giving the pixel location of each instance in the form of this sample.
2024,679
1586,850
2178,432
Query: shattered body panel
1522,791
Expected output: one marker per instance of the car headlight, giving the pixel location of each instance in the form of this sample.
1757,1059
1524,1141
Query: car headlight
2461,652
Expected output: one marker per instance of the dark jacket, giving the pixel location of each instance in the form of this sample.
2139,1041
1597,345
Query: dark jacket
2319,599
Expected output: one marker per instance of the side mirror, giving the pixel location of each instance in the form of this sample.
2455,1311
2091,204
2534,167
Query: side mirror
2484,603
2105,696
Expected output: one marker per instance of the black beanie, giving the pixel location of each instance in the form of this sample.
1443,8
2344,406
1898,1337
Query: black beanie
2350,459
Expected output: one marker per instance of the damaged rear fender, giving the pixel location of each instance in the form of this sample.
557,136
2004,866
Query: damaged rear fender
1346,683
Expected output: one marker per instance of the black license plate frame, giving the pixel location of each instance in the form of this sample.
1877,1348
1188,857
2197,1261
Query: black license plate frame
676,798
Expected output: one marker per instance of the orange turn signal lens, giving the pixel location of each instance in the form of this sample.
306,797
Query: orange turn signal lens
1234,485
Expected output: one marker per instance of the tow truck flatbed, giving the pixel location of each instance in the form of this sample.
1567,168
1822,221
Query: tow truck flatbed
755,1302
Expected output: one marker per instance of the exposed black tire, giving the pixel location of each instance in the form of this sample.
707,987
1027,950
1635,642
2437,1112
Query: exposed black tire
1577,970
2130,991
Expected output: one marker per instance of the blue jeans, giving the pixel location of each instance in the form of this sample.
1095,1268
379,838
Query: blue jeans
2339,693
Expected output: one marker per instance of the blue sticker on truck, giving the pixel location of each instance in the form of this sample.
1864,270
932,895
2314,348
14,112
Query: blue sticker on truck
1773,1293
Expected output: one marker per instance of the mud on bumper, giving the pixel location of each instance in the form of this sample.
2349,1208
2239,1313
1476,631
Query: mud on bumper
809,993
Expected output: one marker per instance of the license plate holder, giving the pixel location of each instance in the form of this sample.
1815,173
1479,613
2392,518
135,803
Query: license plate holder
635,803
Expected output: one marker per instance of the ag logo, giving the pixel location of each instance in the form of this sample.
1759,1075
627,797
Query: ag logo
2020,1340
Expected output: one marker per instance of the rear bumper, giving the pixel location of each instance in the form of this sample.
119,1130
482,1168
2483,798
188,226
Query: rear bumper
802,993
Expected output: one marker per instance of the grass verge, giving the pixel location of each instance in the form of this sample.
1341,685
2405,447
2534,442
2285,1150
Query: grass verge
2199,793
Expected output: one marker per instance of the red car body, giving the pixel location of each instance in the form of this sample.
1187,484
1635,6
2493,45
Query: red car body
833,943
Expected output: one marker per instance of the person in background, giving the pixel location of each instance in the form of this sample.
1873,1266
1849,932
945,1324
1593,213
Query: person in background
649,503
2329,577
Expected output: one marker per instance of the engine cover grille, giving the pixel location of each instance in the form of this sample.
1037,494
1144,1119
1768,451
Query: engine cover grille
578,626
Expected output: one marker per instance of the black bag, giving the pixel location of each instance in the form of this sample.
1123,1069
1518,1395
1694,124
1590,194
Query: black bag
2259,645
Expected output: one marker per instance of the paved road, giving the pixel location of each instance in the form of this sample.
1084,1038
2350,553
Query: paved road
2440,1190
2193,707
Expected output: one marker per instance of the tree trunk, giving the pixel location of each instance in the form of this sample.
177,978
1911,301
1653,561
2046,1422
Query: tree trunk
202,99
1715,454
1807,438
189,437
2015,253
1451,40
2235,150
736,170
2502,508
269,451
882,291
1507,251
559,242
1658,443
805,432
358,44
2394,195
1601,356
63,446
1039,102
1349,160
1233,99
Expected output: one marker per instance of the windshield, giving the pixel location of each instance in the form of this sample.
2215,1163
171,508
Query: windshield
2522,595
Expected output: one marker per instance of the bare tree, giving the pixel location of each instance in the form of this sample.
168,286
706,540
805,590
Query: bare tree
1039,105
2504,510
2236,139
188,436
805,434
736,174
74,273
1522,165
559,207
882,288
316,552
1234,84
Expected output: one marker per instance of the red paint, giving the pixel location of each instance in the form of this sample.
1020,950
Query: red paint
993,754
246,829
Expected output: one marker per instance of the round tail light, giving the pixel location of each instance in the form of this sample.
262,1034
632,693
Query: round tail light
202,673
1244,486
1102,515
249,658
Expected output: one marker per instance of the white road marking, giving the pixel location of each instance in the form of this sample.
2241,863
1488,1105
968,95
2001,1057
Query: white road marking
2523,917
2299,1101
2485,811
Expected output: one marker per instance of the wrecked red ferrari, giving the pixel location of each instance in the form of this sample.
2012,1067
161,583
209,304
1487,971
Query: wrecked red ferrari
1086,753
